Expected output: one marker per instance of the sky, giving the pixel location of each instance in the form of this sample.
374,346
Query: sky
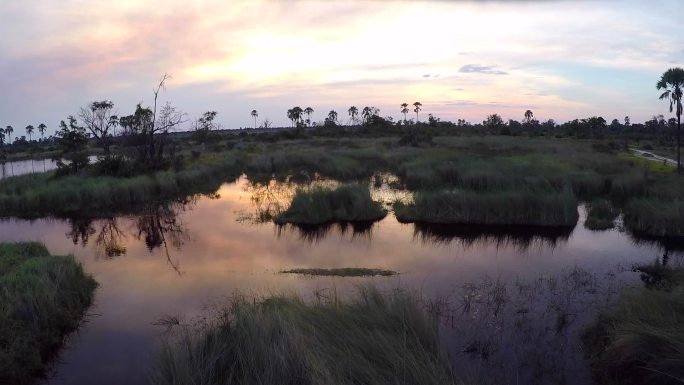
460,59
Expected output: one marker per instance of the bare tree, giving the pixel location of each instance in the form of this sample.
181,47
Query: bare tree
99,118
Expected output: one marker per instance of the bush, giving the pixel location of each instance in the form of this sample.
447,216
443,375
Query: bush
601,215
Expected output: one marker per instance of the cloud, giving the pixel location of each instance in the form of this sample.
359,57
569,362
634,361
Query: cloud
475,68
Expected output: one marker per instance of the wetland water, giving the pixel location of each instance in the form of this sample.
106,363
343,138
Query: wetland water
180,259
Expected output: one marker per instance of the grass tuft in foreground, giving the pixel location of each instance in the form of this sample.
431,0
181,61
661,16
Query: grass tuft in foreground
371,339
511,207
601,215
318,205
42,299
342,272
641,340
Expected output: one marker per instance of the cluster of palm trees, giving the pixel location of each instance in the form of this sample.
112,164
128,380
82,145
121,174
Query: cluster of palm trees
302,117
6,133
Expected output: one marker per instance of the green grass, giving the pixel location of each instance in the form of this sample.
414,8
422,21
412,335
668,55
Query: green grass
641,340
655,217
495,208
342,272
319,205
601,215
42,299
371,339
41,194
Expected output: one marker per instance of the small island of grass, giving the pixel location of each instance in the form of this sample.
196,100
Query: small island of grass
342,272
42,299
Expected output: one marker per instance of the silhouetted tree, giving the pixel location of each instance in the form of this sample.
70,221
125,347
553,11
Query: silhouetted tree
2,136
672,81
627,121
528,116
99,119
308,111
404,110
72,140
8,131
417,107
353,112
29,131
255,115
41,128
332,116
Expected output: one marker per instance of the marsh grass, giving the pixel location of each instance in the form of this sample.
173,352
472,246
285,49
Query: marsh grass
640,340
342,272
601,215
42,299
521,207
372,338
41,194
345,203
655,217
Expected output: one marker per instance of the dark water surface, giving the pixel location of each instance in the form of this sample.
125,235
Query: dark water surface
177,260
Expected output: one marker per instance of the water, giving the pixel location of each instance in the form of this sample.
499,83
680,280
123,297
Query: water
22,167
179,259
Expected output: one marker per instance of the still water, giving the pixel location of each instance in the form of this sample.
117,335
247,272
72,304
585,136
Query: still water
179,259
31,166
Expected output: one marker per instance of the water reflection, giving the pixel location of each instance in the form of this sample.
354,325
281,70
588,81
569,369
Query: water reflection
518,237
317,233
156,225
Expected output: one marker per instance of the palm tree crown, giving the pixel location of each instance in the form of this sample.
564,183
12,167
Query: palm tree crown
255,115
528,115
417,109
41,128
353,111
29,131
672,82
404,109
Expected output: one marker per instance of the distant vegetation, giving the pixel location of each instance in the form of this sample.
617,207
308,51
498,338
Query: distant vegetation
42,299
375,338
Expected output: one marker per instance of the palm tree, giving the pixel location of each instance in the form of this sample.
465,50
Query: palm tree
528,115
672,82
2,136
41,128
290,116
353,111
404,110
417,109
308,111
29,131
255,115
9,130
332,116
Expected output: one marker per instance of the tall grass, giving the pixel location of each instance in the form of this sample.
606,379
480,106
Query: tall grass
42,299
370,339
318,205
512,207
641,340
41,194
655,217
601,215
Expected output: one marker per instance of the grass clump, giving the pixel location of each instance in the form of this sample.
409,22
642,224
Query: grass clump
342,272
601,215
370,339
319,205
513,207
641,340
42,299
655,217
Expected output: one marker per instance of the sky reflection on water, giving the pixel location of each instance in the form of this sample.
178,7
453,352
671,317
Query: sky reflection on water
180,259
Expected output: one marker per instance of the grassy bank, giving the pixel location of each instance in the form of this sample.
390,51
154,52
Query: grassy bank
41,194
493,208
601,215
641,340
342,272
318,205
656,217
371,339
42,299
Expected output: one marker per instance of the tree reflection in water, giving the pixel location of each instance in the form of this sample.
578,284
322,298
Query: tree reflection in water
157,225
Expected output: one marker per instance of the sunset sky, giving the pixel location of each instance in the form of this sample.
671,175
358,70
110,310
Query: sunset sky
561,59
